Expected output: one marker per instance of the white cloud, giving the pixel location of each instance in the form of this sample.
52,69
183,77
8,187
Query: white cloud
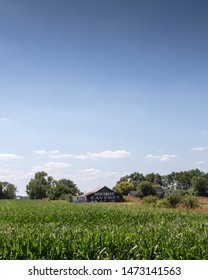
92,174
44,152
163,157
90,178
9,156
89,155
53,152
60,156
200,149
108,154
51,166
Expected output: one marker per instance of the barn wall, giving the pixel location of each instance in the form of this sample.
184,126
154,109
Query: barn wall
104,195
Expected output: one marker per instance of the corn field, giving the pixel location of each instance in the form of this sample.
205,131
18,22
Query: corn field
57,230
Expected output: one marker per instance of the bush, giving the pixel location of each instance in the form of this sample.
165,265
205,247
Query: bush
190,201
67,197
172,199
179,197
150,199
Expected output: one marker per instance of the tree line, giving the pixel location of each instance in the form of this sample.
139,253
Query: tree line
193,180
45,186
42,186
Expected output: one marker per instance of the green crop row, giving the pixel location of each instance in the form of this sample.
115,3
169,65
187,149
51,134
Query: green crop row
60,230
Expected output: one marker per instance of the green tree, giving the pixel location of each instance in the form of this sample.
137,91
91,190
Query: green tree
1,191
7,190
152,177
133,178
181,180
63,188
145,188
39,186
200,185
124,188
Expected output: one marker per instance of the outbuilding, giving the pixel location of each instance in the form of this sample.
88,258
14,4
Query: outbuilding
101,194
158,189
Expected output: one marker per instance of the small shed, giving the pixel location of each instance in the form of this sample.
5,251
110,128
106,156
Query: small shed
101,194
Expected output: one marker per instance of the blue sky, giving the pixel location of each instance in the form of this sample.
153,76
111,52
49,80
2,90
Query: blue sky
94,90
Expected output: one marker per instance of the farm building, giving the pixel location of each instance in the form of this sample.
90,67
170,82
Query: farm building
158,189
101,194
133,193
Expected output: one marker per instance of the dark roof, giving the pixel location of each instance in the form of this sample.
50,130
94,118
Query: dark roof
96,190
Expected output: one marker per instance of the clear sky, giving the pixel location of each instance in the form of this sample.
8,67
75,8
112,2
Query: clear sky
92,90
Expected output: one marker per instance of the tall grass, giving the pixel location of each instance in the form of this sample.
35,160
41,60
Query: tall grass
60,230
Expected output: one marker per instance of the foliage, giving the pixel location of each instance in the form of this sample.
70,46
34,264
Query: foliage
150,199
133,178
200,185
183,180
58,230
172,199
152,177
7,190
44,186
61,188
145,188
189,201
124,188
39,187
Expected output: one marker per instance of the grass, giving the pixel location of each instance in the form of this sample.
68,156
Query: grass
57,230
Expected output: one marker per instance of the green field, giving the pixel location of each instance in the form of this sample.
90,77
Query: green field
57,230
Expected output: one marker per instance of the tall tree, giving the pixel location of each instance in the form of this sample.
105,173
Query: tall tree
133,178
124,188
145,188
152,177
7,190
39,186
62,188
200,185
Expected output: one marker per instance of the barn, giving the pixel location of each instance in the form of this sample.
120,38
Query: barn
158,189
101,194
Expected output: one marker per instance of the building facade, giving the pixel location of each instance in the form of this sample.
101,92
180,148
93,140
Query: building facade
101,194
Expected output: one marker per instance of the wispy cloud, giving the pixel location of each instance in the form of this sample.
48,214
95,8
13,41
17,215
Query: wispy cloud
200,149
89,155
200,162
3,119
61,156
96,174
109,154
9,156
48,166
163,157
44,152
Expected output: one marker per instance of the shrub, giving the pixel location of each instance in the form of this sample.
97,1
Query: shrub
172,199
150,199
190,201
